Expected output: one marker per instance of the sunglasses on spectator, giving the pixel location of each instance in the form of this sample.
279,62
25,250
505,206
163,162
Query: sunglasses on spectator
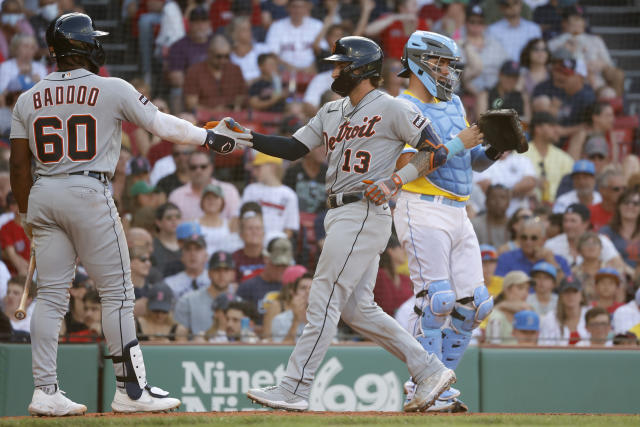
631,202
533,237
599,325
509,3
540,48
196,167
475,21
596,157
143,258
617,189
168,217
222,55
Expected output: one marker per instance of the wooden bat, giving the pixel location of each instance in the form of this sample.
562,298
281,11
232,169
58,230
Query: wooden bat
21,312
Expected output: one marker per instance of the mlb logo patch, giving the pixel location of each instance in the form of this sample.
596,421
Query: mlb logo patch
143,99
419,121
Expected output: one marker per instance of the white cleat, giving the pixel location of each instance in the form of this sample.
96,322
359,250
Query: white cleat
428,390
54,405
146,403
277,398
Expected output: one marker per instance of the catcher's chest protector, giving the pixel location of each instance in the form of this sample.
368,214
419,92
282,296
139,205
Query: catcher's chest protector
448,120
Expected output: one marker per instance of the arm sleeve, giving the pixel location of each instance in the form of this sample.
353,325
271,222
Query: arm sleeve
176,130
279,146
479,160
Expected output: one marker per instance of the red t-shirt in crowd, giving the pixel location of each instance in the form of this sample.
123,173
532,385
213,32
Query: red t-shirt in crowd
394,38
387,295
246,266
599,216
11,234
613,307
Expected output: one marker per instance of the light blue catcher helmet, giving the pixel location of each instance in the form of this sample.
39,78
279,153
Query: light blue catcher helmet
423,45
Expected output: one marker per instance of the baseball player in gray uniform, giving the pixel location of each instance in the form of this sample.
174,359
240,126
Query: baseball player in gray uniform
69,125
363,134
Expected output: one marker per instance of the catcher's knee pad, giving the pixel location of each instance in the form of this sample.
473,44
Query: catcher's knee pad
471,311
437,303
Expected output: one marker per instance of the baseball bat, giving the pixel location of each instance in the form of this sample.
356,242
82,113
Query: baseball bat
21,312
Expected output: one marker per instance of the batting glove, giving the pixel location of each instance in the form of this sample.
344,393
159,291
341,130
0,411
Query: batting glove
381,191
224,135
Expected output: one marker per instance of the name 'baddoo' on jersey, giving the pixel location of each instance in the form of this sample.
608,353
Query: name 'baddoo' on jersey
64,95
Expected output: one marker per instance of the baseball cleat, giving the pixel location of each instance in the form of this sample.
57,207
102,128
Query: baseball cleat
451,406
428,390
277,398
452,393
54,405
146,403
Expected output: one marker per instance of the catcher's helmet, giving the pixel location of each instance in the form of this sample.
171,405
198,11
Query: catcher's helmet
362,54
423,45
74,34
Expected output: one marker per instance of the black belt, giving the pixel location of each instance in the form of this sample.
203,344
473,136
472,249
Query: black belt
341,199
100,176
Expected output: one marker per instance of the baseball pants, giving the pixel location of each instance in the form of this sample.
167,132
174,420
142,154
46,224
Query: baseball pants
343,286
74,217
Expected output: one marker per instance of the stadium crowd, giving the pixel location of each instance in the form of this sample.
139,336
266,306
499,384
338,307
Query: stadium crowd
223,249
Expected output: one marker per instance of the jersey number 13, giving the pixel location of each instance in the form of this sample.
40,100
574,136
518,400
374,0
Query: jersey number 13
50,146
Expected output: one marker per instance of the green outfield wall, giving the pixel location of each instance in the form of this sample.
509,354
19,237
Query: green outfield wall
351,378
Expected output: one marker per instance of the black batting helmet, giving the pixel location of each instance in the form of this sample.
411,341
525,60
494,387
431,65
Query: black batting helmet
362,54
74,34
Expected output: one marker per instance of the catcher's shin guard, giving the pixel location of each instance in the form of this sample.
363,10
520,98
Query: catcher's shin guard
434,305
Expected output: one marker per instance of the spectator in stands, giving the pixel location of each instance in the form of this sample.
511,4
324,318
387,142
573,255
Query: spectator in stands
624,228
596,150
274,306
391,83
245,51
327,36
513,228
589,48
599,326
551,162
171,28
16,246
194,258
93,313
567,325
607,286
292,38
287,326
534,60
147,23
526,328
249,260
512,300
505,94
549,17
543,300
11,301
187,51
279,257
180,155
279,203
394,29
490,226
590,249
140,260
22,65
489,263
483,55
188,197
12,21
532,250
512,31
74,318
601,120
48,10
575,222
584,184
215,228
392,288
307,178
627,317
235,312
452,22
494,13
195,309
157,324
215,84
166,249
611,184
267,92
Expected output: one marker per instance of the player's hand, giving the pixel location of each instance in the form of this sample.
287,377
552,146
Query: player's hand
381,191
223,135
471,136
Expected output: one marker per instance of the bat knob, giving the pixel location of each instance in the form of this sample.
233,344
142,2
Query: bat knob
20,314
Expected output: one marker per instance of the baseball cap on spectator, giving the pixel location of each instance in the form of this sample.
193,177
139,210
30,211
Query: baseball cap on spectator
515,277
568,62
80,281
544,267
263,159
250,209
160,298
141,187
608,272
543,118
573,10
580,209
583,166
526,320
476,10
213,189
292,273
222,301
198,14
137,166
190,232
569,282
510,68
280,251
596,144
488,253
221,259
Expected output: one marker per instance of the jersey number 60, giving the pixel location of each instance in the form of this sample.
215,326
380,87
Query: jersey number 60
50,146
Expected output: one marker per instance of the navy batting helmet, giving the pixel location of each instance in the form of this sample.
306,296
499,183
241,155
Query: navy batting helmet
74,34
361,54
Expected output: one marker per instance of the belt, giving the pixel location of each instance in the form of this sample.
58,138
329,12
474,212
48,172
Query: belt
100,176
341,199
443,200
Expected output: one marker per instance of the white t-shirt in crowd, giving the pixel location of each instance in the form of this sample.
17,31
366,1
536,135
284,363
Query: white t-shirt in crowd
9,70
513,39
625,317
164,166
249,63
567,199
320,83
221,238
559,245
279,206
294,44
552,334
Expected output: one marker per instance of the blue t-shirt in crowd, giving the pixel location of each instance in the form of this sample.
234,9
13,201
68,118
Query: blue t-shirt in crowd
254,290
516,260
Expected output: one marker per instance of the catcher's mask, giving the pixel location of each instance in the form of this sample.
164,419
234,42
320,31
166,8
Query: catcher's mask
361,54
435,60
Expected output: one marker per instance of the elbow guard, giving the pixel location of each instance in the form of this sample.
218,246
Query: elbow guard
430,142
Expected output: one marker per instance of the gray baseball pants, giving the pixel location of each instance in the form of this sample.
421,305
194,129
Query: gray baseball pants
357,234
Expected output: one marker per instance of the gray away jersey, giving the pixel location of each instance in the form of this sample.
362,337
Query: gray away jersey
73,121
362,142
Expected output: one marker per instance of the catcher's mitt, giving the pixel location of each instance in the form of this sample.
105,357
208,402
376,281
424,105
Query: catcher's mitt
503,131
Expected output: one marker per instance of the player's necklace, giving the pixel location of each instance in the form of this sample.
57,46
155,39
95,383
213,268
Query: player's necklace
358,107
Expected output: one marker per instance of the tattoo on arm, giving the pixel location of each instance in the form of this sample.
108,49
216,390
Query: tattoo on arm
428,160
